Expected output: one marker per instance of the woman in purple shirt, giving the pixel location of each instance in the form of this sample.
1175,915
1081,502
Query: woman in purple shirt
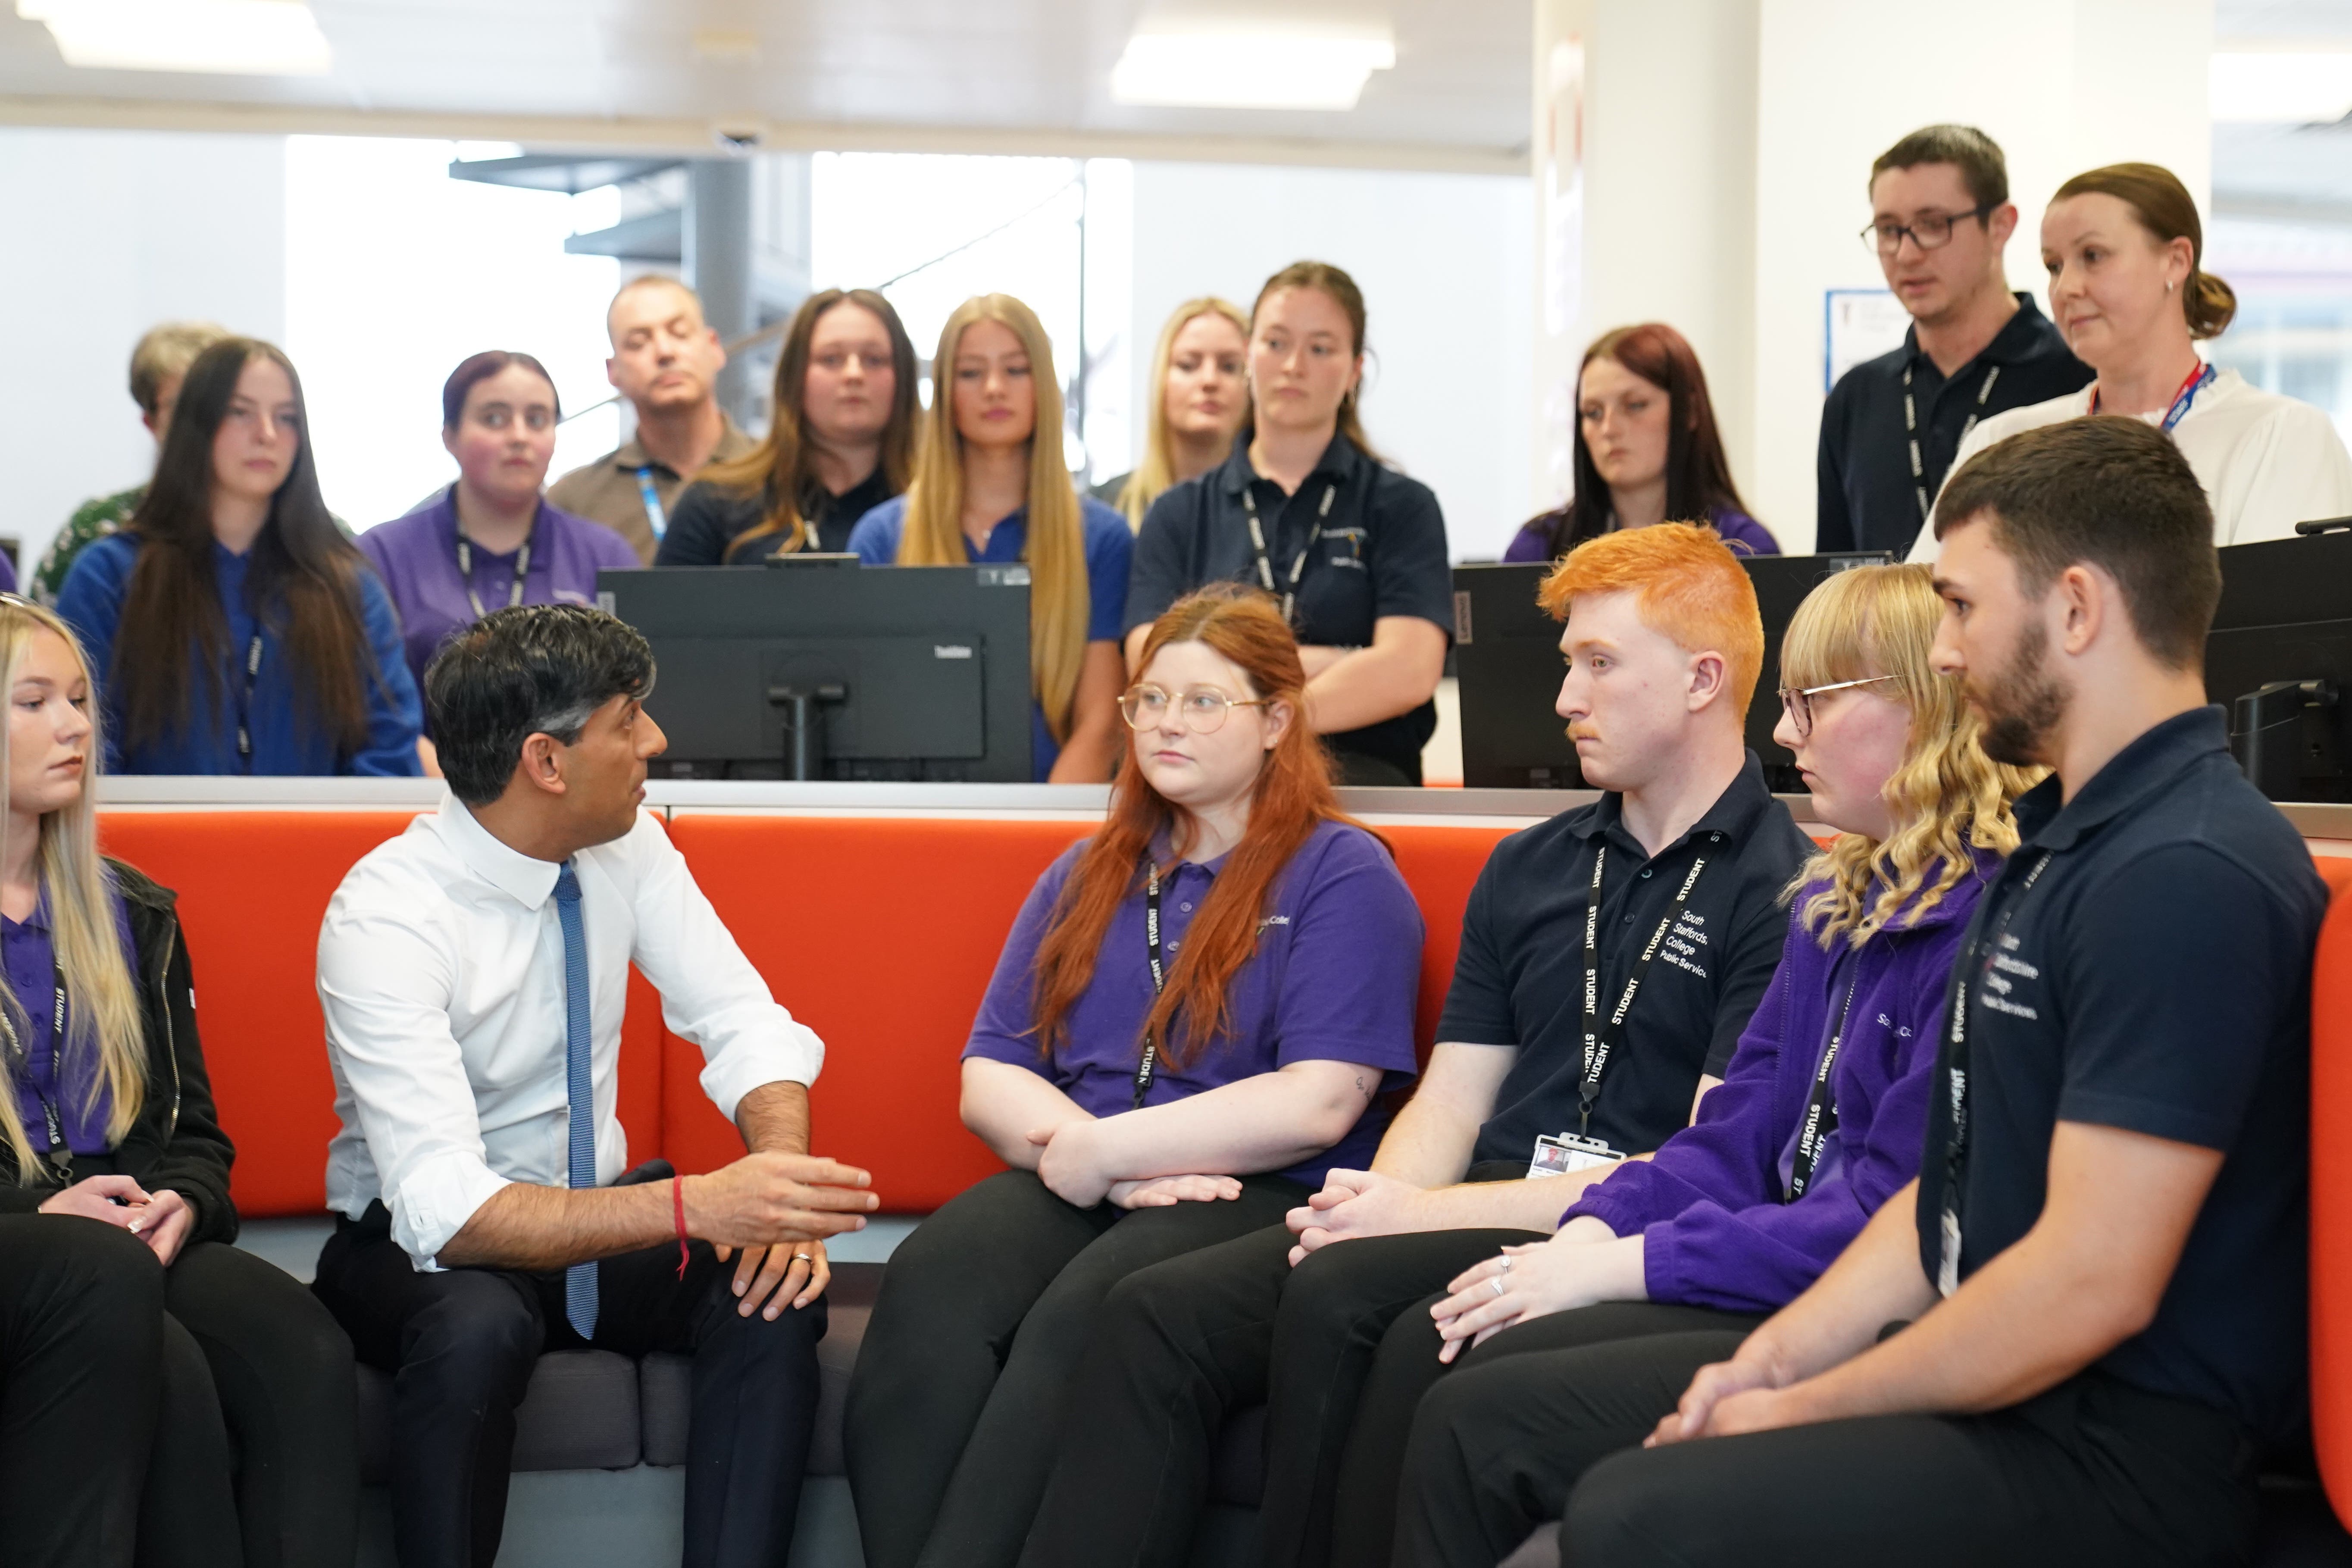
1822,1109
1161,1080
107,1119
1646,450
491,540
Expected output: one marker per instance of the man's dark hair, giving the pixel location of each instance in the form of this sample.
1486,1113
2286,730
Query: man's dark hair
2110,492
526,671
1977,156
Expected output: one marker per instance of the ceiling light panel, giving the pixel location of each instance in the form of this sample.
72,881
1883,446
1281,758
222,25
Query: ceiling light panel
244,38
1247,69
2309,86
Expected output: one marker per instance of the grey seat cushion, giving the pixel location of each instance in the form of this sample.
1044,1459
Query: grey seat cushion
581,1414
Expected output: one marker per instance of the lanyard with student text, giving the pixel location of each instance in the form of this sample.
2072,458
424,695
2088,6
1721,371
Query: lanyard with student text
2197,382
522,571
20,1060
1821,1106
1599,1042
245,709
1911,430
1150,1064
1288,591
1955,1076
654,519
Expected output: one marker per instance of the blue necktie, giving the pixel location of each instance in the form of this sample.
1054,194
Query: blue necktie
580,1279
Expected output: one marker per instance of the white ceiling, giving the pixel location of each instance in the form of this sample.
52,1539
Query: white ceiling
976,75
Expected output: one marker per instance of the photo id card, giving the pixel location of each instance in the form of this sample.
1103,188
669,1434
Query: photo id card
1559,1156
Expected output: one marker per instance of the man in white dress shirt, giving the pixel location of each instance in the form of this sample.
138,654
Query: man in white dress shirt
473,972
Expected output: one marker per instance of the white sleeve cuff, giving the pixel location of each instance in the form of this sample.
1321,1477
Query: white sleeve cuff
432,1203
790,1052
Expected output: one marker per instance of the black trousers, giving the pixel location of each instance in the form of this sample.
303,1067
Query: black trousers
967,1365
461,1344
256,1457
1182,1346
2092,1472
81,1360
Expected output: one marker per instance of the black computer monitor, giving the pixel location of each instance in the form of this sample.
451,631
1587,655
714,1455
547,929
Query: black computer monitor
2280,661
1506,662
816,667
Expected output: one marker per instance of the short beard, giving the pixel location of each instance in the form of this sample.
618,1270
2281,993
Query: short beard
2022,705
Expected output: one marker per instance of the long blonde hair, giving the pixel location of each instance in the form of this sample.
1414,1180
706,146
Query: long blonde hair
105,1015
1945,799
1155,473
1056,551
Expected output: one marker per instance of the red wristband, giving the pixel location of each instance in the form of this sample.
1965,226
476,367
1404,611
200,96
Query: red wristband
677,1203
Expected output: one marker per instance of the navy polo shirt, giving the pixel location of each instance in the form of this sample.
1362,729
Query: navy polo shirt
1868,499
1380,551
2156,977
1519,979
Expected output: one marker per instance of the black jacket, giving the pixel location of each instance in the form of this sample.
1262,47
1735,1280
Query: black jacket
176,1142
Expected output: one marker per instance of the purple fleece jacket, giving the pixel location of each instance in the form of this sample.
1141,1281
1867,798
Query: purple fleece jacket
1709,1204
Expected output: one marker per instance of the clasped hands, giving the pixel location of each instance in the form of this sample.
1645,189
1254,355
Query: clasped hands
1075,1162
776,1209
162,1219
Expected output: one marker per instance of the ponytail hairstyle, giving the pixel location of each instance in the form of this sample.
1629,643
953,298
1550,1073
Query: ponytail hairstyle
1291,798
781,469
1157,471
1944,798
1698,470
2167,211
1341,289
1056,552
304,579
104,1019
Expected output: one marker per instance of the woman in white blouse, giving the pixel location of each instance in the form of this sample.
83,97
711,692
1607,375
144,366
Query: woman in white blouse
2122,244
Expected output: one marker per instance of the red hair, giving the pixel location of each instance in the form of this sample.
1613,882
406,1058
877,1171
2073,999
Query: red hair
1687,585
1291,798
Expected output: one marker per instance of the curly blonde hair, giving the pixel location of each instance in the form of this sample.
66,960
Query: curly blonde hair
1945,798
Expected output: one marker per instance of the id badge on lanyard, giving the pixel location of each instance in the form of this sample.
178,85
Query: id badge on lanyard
1561,1155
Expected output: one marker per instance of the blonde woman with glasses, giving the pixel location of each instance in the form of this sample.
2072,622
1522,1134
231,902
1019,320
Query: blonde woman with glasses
991,486
1201,369
1818,1120
108,1120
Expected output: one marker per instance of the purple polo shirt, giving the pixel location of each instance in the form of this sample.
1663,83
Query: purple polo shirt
30,960
1335,977
1742,533
417,556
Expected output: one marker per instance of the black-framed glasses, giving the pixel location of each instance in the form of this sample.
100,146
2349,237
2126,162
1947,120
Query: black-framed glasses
1203,708
1928,231
1798,701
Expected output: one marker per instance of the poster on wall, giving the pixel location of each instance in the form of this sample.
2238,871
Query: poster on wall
1859,324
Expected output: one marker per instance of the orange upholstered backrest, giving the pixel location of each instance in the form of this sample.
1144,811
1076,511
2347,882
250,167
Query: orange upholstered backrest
2331,1188
252,886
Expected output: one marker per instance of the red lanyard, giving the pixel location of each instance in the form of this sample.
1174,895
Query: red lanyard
2191,385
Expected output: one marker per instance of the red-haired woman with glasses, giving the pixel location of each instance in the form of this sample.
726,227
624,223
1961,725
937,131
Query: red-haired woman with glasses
1191,1020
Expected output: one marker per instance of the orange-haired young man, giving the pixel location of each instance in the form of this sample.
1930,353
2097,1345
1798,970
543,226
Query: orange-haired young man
1573,1036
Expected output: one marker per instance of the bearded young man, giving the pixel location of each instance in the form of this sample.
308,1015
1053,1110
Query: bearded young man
2069,1343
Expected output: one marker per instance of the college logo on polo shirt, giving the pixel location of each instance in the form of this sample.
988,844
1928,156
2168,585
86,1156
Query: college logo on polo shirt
1682,944
2002,976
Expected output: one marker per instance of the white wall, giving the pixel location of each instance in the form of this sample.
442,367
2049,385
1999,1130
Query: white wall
1446,265
111,232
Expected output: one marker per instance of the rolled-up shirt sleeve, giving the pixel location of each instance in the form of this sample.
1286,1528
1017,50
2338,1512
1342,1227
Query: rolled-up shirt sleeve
384,987
710,994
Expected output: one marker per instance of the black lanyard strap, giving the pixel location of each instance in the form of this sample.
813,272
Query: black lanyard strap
1146,1068
1600,1043
245,711
1911,430
20,1060
1288,589
1821,1106
1955,1074
522,571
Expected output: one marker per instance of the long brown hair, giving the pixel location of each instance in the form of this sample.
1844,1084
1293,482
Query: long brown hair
1056,551
781,469
2166,209
1293,795
1341,289
1698,471
304,579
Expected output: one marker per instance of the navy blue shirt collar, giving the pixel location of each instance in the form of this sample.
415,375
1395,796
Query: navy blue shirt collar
1734,813
2020,337
1340,461
2159,756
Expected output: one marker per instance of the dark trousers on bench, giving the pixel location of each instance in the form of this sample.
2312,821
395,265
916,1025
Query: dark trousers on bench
2092,1474
461,1344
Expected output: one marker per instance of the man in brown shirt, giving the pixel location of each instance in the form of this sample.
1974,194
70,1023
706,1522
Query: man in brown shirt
666,359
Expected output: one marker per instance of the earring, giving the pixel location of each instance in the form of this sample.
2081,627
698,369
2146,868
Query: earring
2168,285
